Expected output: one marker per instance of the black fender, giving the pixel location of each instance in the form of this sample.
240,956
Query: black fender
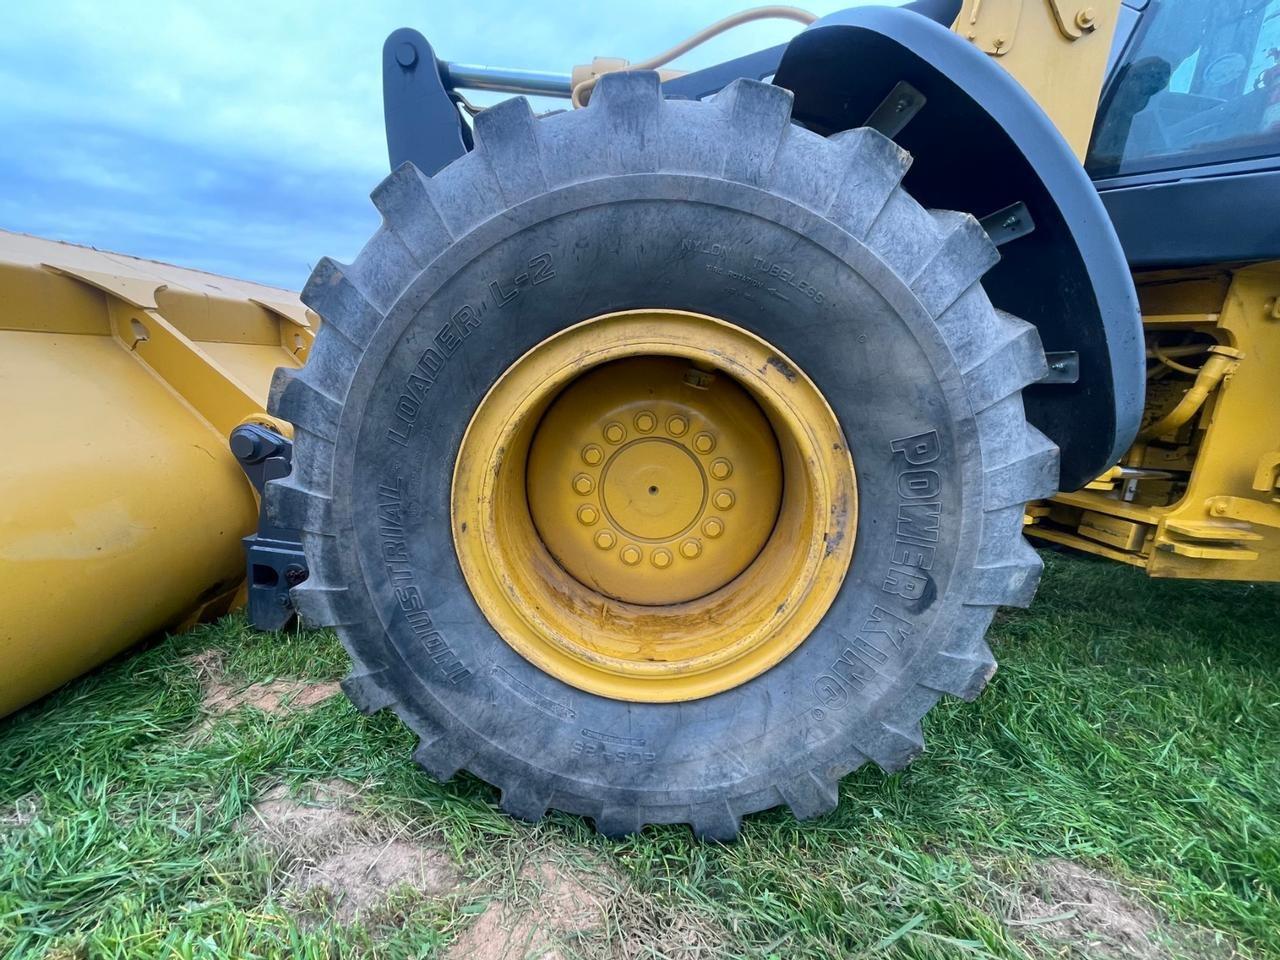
981,144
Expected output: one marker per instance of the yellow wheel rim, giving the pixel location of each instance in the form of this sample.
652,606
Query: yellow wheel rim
654,506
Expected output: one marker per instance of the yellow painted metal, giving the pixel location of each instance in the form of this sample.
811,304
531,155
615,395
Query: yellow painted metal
650,459
1114,531
1214,429
557,616
1057,50
1222,361
121,507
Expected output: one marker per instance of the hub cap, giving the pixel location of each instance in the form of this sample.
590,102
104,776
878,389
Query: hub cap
653,481
654,506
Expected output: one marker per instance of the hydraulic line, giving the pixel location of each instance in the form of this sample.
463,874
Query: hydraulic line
1221,362
581,90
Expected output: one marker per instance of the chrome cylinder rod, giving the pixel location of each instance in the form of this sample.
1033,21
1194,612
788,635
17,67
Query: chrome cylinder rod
467,76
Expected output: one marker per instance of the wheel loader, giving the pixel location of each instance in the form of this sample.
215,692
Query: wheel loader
663,459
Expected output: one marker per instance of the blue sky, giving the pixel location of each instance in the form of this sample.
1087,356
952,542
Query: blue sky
244,137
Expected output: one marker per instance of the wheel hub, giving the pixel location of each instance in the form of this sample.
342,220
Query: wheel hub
654,482
654,506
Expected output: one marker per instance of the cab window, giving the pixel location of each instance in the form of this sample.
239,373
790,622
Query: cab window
1200,83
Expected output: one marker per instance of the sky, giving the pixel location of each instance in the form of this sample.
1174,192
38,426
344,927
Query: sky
243,138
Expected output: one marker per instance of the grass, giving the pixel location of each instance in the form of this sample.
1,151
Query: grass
1134,727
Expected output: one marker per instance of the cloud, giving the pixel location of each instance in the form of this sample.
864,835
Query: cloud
244,137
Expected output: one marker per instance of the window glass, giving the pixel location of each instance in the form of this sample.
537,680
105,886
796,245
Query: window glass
1199,84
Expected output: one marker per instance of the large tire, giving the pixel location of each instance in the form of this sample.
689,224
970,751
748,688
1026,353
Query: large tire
881,306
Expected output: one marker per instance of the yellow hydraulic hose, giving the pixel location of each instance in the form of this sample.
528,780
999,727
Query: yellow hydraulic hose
1221,362
581,90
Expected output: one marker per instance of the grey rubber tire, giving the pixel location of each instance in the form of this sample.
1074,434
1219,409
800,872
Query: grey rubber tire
721,207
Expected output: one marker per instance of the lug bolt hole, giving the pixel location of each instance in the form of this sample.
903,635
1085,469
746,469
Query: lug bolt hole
653,491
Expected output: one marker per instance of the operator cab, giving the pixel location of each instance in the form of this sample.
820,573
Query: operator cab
1186,148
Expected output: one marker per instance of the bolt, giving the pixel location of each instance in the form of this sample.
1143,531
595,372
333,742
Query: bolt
1086,18
631,555
592,454
615,432
587,515
1010,223
1058,365
723,499
294,574
645,421
902,105
704,443
583,484
406,56
1219,509
605,540
244,445
661,558
690,549
713,527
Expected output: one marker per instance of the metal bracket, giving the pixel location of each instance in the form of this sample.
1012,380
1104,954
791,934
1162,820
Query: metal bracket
896,110
1064,367
1008,224
423,124
274,560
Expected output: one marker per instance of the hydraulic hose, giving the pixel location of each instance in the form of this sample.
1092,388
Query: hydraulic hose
583,89
1221,362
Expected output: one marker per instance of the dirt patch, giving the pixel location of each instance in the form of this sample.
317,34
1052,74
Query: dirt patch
220,696
317,820
358,878
548,902
1072,911
24,812
557,909
336,862
552,907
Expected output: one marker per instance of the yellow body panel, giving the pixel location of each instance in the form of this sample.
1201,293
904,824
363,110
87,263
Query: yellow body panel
1214,514
1057,50
1218,517
121,506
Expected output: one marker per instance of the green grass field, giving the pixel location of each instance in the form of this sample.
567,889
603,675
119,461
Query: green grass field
1119,778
